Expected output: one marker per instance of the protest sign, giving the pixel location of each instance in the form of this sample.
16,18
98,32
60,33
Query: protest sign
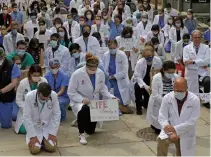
104,110
43,38
127,44
204,96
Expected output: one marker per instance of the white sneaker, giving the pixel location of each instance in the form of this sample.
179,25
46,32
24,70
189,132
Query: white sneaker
82,139
74,123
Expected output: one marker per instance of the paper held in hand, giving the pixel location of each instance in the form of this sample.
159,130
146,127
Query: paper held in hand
104,110
127,44
43,39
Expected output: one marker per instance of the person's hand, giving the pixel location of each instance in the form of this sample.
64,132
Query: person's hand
135,50
173,137
86,101
116,98
33,141
111,77
52,138
148,89
169,128
188,62
142,40
122,49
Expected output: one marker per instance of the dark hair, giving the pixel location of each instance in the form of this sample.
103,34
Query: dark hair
33,41
45,89
148,7
74,46
57,10
98,37
190,11
166,66
26,39
93,16
44,2
120,10
74,11
168,5
155,40
14,5
55,35
35,68
41,21
186,36
57,20
44,8
86,26
21,42
155,28
178,18
98,8
35,3
66,40
127,30
112,42
33,14
119,17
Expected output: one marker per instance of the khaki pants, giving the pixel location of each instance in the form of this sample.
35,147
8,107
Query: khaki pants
47,146
163,145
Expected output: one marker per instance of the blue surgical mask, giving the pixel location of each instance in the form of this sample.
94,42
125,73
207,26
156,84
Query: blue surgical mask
76,55
149,59
20,52
70,20
168,75
113,51
14,32
179,95
53,43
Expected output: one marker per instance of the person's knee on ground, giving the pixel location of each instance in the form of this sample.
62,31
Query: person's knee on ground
206,84
48,147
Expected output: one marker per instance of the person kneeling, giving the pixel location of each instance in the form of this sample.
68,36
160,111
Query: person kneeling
42,118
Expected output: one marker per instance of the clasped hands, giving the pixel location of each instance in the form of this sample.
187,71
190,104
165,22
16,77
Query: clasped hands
171,132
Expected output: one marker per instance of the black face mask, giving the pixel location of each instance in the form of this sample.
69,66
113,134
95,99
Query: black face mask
86,34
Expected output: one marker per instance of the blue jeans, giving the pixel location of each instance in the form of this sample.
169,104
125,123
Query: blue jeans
6,114
63,102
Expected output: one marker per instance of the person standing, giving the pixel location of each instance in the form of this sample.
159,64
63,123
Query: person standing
190,22
5,18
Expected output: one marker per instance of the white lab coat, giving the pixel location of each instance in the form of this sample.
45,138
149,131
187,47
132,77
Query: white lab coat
93,45
173,38
75,4
150,15
126,9
178,51
125,15
82,9
75,30
160,37
72,66
166,30
29,30
102,5
156,20
183,124
140,72
137,11
53,30
50,116
143,32
155,99
193,70
22,90
121,74
173,12
133,55
80,87
47,34
8,43
104,31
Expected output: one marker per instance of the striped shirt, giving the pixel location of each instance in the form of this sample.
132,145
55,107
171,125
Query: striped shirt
167,86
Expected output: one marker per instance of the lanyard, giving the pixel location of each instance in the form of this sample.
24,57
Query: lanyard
40,110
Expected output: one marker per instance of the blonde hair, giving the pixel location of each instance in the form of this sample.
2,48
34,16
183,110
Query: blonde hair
147,49
91,60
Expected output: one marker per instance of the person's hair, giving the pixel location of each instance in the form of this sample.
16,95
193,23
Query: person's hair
45,89
74,46
66,40
148,7
14,5
155,40
178,18
112,42
119,17
168,5
74,11
81,17
190,11
98,8
44,8
15,58
41,21
44,2
35,68
55,35
4,6
120,10
86,26
155,28
57,10
186,36
35,3
14,23
33,14
33,41
147,48
166,66
127,30
57,20
26,39
21,42
91,60
196,31
52,5
98,37
89,11
161,9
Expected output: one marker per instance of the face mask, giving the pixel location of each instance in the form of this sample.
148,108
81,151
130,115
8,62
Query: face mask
189,16
86,34
1,62
14,32
170,21
91,72
144,19
61,34
15,9
19,66
113,51
145,5
149,59
43,101
178,24
81,22
53,43
129,25
155,33
3,32
54,71
76,55
33,17
36,79
89,16
98,22
156,46
5,11
185,43
20,52
168,10
168,75
42,28
179,95
105,17
58,25
70,20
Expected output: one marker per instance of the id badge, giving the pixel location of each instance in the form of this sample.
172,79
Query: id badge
39,124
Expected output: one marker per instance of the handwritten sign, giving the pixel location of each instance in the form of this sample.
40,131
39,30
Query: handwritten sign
128,44
204,96
104,110
43,39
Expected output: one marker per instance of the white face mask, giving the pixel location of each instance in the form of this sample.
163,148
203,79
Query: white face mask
179,95
19,66
54,71
42,28
156,46
168,75
36,79
89,16
170,21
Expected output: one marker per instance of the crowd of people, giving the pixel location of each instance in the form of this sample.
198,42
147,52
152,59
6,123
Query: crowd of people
58,56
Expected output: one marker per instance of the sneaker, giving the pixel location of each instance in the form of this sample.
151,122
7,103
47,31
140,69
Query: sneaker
82,139
74,123
139,112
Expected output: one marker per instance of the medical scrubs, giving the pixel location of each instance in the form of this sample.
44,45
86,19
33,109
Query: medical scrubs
61,80
62,42
92,78
115,30
6,109
161,23
206,35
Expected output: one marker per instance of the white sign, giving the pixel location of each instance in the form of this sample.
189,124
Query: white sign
128,44
104,110
204,97
43,39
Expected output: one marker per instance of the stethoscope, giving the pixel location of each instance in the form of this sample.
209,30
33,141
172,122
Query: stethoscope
49,105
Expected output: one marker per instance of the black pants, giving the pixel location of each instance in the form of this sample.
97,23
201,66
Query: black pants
157,131
206,84
84,121
142,97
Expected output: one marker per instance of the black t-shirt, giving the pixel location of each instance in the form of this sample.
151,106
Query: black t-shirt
147,76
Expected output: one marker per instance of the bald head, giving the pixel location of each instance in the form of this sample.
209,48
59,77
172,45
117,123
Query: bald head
180,85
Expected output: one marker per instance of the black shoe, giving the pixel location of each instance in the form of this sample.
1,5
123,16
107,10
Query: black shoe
69,108
139,112
207,105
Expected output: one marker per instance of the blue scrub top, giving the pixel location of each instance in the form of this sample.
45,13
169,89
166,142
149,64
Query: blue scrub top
61,80
161,22
206,35
115,30
15,72
112,66
92,78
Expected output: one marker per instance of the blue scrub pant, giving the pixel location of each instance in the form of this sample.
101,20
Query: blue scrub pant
15,109
63,102
6,114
